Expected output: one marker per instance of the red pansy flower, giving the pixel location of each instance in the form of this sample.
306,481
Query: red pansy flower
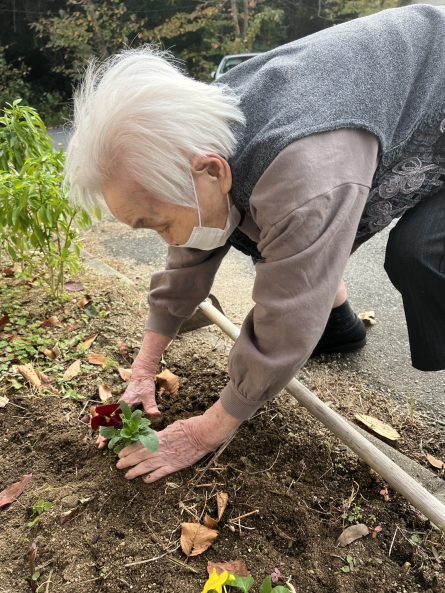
109,415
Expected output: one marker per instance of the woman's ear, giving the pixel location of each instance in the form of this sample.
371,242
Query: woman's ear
216,167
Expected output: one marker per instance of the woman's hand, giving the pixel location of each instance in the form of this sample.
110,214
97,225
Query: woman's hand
181,444
142,386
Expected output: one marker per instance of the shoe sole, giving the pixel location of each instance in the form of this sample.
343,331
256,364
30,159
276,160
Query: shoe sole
341,348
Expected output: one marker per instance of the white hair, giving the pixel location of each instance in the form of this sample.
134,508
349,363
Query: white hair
138,113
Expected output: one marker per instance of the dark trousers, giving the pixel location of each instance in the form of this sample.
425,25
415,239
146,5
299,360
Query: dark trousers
415,264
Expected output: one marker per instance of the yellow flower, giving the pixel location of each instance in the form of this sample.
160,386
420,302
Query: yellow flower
216,581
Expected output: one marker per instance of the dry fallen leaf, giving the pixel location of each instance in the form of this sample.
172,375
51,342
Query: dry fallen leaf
210,522
27,371
72,371
379,427
350,534
87,343
96,358
3,401
236,567
52,321
104,393
13,491
385,494
376,531
3,321
74,286
167,382
222,499
49,353
196,538
437,463
368,317
84,301
124,373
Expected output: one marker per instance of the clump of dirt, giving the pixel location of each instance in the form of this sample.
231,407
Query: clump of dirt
295,485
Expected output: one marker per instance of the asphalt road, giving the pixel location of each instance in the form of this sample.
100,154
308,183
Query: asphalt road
385,361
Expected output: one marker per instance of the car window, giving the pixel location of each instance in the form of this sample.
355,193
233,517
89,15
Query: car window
229,64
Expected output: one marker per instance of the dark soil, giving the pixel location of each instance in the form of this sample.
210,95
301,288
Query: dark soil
301,484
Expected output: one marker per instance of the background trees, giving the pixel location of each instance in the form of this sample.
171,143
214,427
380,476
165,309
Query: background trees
44,44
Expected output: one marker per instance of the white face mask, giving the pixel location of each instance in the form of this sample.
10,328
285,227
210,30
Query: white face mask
207,238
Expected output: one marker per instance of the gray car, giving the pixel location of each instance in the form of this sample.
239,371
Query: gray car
229,62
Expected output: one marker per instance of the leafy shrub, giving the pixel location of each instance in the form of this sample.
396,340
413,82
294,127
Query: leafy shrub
37,223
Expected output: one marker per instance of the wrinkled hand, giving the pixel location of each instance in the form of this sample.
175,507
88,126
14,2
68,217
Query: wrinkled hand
142,390
179,447
181,444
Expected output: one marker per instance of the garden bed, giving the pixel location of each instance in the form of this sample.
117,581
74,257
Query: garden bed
296,486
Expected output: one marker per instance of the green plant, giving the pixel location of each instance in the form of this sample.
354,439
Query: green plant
37,223
226,582
349,564
40,507
123,427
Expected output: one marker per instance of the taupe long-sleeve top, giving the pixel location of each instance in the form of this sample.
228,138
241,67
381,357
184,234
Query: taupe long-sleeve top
304,213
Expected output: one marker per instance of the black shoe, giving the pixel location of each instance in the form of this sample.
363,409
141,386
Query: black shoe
344,332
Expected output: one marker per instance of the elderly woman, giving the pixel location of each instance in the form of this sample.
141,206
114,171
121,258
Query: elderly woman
295,157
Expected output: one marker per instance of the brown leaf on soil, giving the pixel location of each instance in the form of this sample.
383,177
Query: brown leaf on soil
68,515
104,393
27,371
350,534
49,353
87,343
437,463
96,358
123,349
3,401
384,492
222,499
72,371
236,567
44,378
52,321
167,382
3,321
376,531
379,427
124,373
84,301
368,318
8,272
13,491
74,286
210,522
196,538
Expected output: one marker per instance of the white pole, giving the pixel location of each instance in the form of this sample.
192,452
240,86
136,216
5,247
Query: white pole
396,477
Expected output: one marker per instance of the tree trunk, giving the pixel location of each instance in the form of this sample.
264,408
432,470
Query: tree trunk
245,18
234,10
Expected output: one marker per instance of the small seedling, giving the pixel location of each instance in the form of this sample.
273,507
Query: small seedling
349,564
40,507
123,427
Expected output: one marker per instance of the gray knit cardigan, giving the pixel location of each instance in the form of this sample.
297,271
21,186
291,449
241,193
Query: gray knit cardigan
384,73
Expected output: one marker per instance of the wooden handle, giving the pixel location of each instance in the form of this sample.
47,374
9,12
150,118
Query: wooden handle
396,477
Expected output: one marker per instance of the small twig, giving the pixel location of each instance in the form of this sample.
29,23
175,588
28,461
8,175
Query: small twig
262,471
392,542
152,559
209,485
290,587
183,564
48,582
235,519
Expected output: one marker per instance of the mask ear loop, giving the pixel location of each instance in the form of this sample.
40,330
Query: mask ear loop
196,198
